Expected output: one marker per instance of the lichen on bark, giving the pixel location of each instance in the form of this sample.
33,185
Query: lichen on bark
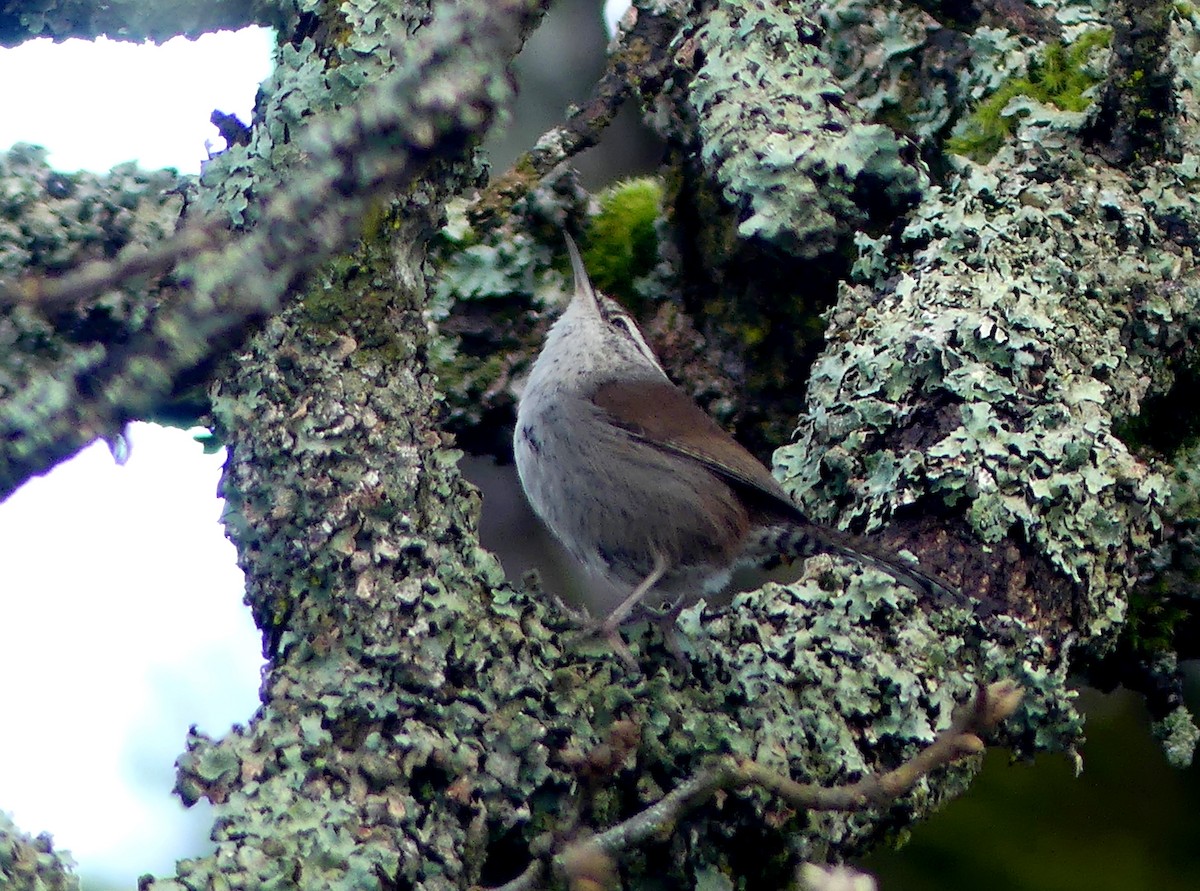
425,724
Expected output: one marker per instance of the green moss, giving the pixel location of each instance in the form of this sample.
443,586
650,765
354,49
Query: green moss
622,242
1061,79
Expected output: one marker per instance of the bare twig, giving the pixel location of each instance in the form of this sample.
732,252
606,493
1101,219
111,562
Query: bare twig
990,706
639,62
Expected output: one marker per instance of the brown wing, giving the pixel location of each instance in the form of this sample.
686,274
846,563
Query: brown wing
661,414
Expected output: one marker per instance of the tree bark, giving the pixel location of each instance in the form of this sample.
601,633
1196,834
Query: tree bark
990,325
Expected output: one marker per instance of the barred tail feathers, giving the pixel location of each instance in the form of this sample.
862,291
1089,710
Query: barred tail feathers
806,540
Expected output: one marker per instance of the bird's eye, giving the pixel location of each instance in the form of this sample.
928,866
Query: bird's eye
626,323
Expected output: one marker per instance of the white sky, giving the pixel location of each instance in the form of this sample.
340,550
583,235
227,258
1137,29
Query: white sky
121,620
64,99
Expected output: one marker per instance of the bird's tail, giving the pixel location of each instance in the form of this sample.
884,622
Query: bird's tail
806,539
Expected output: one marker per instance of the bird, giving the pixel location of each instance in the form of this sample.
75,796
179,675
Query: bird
643,487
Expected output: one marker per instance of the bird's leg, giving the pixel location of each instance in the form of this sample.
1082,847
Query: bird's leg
610,628
621,613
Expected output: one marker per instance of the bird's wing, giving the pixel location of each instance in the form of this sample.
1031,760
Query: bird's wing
659,413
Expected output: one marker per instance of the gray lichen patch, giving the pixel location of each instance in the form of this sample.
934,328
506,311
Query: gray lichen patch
927,69
1031,303
376,745
825,679
51,222
800,167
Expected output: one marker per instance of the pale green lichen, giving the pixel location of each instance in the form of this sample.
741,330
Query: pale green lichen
1034,379
1178,736
908,65
873,49
1034,301
32,864
50,222
779,656
236,181
798,165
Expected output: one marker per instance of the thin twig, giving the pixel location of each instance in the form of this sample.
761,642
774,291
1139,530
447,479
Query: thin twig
640,61
989,707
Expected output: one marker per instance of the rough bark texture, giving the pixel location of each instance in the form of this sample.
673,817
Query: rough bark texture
423,724
134,20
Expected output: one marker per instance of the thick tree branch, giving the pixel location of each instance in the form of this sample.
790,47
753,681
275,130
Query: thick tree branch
446,94
134,20
51,296
32,863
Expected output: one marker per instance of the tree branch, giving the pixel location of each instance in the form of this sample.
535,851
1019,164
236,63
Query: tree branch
434,106
640,62
990,706
134,20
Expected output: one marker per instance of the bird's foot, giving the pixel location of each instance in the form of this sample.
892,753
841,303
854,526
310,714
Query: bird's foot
606,630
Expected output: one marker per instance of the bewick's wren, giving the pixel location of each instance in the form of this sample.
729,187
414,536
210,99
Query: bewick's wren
641,485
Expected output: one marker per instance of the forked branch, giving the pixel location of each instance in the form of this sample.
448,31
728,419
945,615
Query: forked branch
585,861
